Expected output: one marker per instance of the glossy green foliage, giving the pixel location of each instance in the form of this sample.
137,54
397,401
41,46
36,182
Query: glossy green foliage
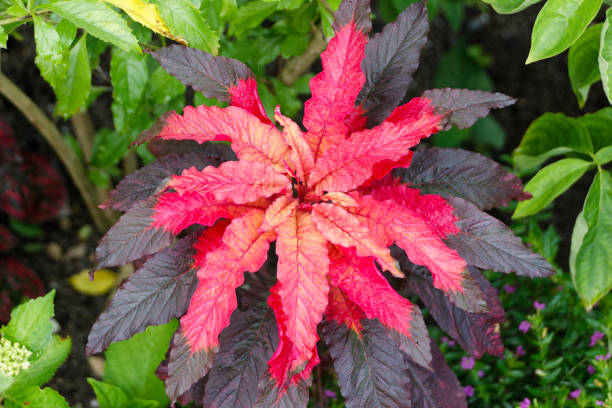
605,55
510,6
582,62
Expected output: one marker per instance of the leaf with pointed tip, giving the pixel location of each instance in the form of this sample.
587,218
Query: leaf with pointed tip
226,79
391,58
487,243
351,162
132,237
278,212
153,295
145,181
301,155
335,89
463,107
238,181
342,310
295,396
456,172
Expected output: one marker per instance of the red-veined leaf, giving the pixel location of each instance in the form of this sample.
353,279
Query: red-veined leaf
7,240
335,89
9,149
226,79
278,212
301,155
352,161
340,199
293,396
238,181
342,310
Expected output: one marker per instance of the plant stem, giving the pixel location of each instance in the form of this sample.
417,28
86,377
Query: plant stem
22,18
297,66
84,130
53,136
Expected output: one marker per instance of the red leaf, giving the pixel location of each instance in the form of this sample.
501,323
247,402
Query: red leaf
238,181
245,96
335,89
301,155
278,212
9,149
342,310
243,248
351,162
7,240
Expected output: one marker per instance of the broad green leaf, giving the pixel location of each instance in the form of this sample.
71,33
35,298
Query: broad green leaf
550,135
98,19
3,37
251,15
489,132
592,273
30,323
73,90
598,125
186,22
43,369
549,183
109,395
129,76
605,55
67,32
109,147
456,69
131,364
582,63
558,25
604,156
51,55
17,11
5,382
294,44
33,397
510,6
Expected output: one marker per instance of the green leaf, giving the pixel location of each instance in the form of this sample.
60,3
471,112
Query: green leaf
605,56
17,11
43,369
558,25
598,125
294,44
73,90
550,135
108,148
51,55
108,395
582,63
454,14
129,76
30,323
98,19
67,32
131,364
251,15
592,272
3,37
456,69
510,6
489,132
33,397
163,87
549,183
185,21
604,156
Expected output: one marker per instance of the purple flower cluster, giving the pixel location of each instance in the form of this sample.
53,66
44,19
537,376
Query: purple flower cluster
468,390
539,306
526,403
467,363
597,335
524,326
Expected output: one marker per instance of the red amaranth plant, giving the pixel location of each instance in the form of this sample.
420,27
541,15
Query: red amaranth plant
338,213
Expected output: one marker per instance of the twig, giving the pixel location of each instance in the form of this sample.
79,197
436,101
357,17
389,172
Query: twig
130,162
84,130
53,136
297,66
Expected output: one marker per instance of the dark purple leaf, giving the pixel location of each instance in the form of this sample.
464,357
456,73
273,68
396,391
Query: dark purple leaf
132,237
184,367
194,394
153,295
241,363
7,240
372,371
463,107
295,396
456,172
477,333
487,243
355,11
9,149
391,58
435,389
144,182
213,76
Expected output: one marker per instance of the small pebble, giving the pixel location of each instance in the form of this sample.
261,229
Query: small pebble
54,251
65,223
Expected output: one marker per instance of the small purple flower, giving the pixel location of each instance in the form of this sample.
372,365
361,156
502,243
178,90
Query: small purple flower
525,403
468,390
520,351
524,326
575,394
329,394
601,357
448,341
597,335
590,369
480,373
509,288
599,403
560,288
467,363
538,305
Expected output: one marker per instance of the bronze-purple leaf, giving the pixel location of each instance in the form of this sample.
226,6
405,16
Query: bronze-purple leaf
184,367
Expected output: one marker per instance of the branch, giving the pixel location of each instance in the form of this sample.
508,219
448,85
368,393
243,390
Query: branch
297,66
53,136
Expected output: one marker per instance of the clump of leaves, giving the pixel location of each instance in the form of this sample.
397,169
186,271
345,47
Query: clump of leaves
338,218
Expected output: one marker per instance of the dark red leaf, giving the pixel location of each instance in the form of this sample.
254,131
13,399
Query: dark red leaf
463,107
7,240
356,12
391,58
294,396
488,243
16,282
144,182
456,172
153,295
132,237
9,149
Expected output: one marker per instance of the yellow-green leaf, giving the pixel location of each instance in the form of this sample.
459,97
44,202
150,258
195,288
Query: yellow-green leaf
104,280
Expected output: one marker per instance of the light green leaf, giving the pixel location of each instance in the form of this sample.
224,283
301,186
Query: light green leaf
67,32
5,382
185,21
510,6
550,135
582,63
42,369
51,55
558,25
294,44
549,183
98,19
3,38
593,262
489,132
17,11
604,156
605,55
33,397
129,76
73,90
580,230
251,15
108,148
30,323
131,364
598,125
108,395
